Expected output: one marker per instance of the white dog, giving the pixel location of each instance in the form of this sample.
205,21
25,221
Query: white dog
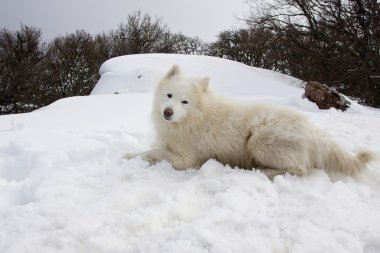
193,125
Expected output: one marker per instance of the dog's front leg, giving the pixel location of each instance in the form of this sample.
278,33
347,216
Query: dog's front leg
156,155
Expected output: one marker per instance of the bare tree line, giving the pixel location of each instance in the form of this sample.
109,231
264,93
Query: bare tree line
336,42
34,73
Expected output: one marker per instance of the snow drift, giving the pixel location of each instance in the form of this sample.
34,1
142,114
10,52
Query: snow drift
64,187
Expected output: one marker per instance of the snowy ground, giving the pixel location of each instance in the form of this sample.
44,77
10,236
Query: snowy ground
64,187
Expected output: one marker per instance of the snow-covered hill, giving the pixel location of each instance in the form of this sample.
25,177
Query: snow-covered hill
64,187
133,74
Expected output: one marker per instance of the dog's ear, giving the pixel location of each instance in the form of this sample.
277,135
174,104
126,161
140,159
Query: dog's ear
203,83
173,71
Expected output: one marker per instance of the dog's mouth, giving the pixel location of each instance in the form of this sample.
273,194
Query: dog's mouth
167,118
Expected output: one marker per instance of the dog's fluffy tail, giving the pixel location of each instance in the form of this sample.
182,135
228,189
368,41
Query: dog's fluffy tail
340,161
366,156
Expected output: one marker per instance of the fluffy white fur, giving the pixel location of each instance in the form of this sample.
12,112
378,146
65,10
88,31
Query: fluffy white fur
193,124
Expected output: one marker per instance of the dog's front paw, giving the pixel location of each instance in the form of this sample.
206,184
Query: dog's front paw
151,156
130,155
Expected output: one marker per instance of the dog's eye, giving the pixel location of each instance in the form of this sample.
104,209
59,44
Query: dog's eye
169,95
184,102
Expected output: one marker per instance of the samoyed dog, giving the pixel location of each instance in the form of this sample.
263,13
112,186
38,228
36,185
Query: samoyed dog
193,124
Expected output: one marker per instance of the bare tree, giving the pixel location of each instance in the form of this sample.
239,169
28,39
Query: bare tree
336,42
251,46
105,45
21,56
141,34
73,64
183,44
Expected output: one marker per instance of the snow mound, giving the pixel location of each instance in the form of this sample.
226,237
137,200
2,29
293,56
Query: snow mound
140,73
65,188
131,74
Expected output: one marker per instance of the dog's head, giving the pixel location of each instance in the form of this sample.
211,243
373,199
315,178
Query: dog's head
177,97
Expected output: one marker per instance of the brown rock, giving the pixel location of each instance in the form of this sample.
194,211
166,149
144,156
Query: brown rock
325,97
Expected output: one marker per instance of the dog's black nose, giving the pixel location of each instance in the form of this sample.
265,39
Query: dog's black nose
168,112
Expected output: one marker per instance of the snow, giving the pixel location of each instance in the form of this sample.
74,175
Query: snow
141,77
65,188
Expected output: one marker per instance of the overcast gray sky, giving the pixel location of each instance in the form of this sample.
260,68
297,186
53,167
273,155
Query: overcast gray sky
202,18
